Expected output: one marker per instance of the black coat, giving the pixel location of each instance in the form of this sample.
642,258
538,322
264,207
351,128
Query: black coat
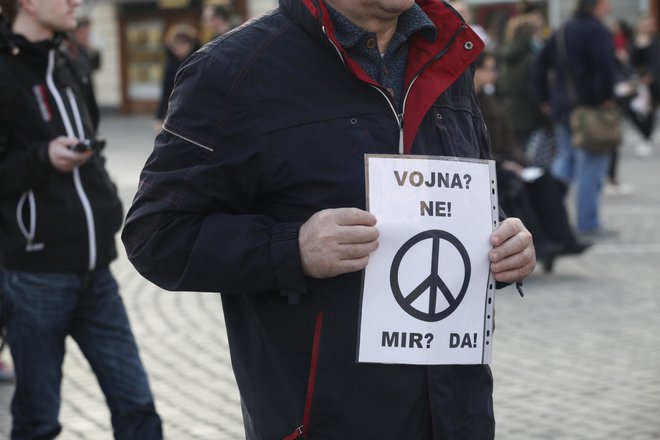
250,150
589,61
515,86
172,64
50,220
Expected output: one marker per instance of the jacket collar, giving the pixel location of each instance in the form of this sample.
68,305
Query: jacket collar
30,53
432,65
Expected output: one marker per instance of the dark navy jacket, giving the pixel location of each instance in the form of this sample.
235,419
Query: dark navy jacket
50,220
589,60
267,126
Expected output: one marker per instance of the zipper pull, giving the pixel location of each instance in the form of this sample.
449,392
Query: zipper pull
295,435
399,117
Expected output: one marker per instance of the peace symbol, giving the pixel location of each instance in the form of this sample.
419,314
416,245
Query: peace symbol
433,282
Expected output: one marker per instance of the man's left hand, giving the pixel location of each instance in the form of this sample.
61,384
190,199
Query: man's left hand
512,257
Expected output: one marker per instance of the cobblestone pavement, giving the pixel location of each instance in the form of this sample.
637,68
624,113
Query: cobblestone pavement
577,358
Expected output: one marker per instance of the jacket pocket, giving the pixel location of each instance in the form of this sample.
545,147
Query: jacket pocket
320,164
461,131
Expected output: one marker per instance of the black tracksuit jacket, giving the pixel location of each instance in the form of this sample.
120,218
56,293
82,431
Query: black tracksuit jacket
266,126
50,220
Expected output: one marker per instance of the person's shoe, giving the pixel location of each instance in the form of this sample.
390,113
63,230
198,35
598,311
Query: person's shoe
618,189
575,248
643,149
6,375
547,253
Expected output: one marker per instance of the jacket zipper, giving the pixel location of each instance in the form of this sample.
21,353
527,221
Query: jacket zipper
302,431
397,116
80,190
400,116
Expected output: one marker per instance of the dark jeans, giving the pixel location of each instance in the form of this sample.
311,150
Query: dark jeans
44,308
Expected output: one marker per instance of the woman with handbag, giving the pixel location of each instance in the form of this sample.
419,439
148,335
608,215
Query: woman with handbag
584,72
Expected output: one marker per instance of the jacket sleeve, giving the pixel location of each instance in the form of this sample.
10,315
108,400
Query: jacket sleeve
195,223
22,165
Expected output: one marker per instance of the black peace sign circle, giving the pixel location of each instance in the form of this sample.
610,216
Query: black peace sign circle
433,282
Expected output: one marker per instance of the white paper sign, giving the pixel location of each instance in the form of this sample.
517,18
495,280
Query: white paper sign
427,294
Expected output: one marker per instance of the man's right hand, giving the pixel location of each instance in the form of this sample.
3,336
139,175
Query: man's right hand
337,241
62,158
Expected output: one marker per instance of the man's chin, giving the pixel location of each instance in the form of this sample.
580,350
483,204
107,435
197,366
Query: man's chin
66,28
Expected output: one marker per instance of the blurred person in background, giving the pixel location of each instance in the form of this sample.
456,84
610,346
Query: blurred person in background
6,373
87,59
625,89
217,20
465,10
529,193
59,213
180,42
82,37
589,63
645,60
515,86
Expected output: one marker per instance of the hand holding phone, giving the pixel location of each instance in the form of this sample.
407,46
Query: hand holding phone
63,157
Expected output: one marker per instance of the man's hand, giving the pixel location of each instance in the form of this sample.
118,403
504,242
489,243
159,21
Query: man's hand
62,158
337,241
512,257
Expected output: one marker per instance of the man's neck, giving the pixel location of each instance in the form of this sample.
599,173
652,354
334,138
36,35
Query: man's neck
32,31
382,24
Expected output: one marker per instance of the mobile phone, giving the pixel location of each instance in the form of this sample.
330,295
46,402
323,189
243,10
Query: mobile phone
88,144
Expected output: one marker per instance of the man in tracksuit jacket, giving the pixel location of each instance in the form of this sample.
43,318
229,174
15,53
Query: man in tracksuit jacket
256,189
59,213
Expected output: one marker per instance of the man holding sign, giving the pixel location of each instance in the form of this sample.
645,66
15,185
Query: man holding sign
256,189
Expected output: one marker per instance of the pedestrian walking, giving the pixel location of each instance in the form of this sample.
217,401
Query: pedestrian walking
59,213
180,41
645,60
256,189
624,90
587,66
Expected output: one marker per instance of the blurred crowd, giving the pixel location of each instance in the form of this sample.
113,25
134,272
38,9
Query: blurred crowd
529,81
